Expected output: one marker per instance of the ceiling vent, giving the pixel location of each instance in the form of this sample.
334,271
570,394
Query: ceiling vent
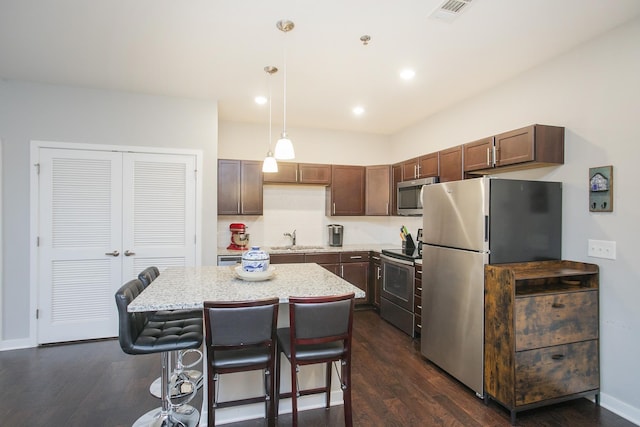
450,9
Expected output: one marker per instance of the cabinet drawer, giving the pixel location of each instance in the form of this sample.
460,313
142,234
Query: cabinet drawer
546,320
417,305
553,372
286,258
362,256
323,258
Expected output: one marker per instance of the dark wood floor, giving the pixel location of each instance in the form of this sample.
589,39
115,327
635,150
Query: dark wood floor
96,384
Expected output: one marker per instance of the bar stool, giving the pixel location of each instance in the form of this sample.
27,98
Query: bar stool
320,331
240,337
138,335
147,276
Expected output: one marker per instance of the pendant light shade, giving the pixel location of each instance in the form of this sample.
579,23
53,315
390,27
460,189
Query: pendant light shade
270,165
284,146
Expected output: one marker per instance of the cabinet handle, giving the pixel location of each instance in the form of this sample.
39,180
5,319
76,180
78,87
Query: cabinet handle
419,307
488,156
419,171
334,208
415,171
419,289
379,271
493,149
557,305
557,356
356,257
419,325
419,272
387,208
377,258
342,271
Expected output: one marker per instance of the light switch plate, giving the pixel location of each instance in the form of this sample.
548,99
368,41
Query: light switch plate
602,249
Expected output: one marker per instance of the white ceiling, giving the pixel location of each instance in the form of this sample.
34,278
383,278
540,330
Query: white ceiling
216,49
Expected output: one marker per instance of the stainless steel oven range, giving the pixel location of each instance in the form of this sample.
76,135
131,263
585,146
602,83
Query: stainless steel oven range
398,281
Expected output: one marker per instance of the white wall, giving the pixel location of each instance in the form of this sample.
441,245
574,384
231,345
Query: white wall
55,113
593,91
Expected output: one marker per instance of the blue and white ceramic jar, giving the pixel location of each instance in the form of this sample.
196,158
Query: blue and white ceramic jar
255,260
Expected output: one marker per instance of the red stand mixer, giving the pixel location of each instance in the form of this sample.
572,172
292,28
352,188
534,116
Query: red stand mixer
239,237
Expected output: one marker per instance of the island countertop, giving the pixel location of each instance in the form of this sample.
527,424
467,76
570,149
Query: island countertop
188,287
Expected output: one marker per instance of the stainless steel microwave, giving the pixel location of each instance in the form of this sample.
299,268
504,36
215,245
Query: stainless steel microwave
409,196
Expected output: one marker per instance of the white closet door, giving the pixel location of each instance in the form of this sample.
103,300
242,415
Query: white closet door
80,240
159,193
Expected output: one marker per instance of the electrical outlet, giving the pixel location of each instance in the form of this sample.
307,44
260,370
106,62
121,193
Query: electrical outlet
602,249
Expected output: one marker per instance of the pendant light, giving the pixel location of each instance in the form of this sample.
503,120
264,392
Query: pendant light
270,165
284,147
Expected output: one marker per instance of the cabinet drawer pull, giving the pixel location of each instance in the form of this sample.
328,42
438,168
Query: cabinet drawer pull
557,305
419,325
419,307
557,356
419,272
377,258
419,289
356,257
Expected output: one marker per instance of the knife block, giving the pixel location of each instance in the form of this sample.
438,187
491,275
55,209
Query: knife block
408,246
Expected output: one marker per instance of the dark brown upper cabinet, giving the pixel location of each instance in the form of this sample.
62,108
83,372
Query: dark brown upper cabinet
239,187
299,173
346,195
378,190
451,164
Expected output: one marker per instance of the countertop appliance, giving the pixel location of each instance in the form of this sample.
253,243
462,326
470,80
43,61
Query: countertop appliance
239,236
336,232
409,196
468,224
398,281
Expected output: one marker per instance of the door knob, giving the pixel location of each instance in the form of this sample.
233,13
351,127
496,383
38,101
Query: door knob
128,253
114,253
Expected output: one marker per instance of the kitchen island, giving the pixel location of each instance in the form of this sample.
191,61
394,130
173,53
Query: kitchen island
188,288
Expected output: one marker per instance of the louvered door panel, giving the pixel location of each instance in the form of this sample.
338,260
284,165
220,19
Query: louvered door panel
80,213
159,213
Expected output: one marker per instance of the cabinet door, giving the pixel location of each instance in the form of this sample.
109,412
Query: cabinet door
286,258
451,164
428,165
309,173
228,187
357,273
378,190
478,155
396,171
376,278
516,146
287,174
347,190
410,169
251,188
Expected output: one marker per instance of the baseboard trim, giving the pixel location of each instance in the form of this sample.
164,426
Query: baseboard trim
16,344
620,408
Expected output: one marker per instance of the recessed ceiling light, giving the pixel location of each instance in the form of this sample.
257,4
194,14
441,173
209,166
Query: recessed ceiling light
261,100
358,111
407,74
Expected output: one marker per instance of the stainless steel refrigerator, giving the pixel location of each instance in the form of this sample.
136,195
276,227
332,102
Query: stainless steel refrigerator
468,224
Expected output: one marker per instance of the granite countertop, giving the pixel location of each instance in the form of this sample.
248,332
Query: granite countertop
188,287
314,249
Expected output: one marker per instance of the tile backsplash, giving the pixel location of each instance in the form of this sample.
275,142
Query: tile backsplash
302,208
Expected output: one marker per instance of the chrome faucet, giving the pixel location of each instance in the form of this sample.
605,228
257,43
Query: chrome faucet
293,237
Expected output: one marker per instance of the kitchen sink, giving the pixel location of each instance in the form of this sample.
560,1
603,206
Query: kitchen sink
294,248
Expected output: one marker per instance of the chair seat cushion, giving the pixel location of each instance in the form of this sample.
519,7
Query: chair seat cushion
172,335
310,352
239,358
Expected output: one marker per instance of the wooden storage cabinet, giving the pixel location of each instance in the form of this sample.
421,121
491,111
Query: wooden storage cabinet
328,260
354,268
417,302
396,174
239,187
286,258
378,190
376,278
346,195
478,155
451,164
420,167
541,333
300,173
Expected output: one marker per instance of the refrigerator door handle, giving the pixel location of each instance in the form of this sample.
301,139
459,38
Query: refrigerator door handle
486,228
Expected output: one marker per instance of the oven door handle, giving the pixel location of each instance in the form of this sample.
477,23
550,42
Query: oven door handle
392,260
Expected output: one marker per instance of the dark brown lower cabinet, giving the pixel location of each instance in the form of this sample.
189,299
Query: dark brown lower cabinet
541,333
417,302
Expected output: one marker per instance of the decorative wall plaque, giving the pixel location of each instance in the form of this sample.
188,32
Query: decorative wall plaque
601,189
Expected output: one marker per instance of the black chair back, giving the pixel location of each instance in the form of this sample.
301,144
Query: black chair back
148,275
130,325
